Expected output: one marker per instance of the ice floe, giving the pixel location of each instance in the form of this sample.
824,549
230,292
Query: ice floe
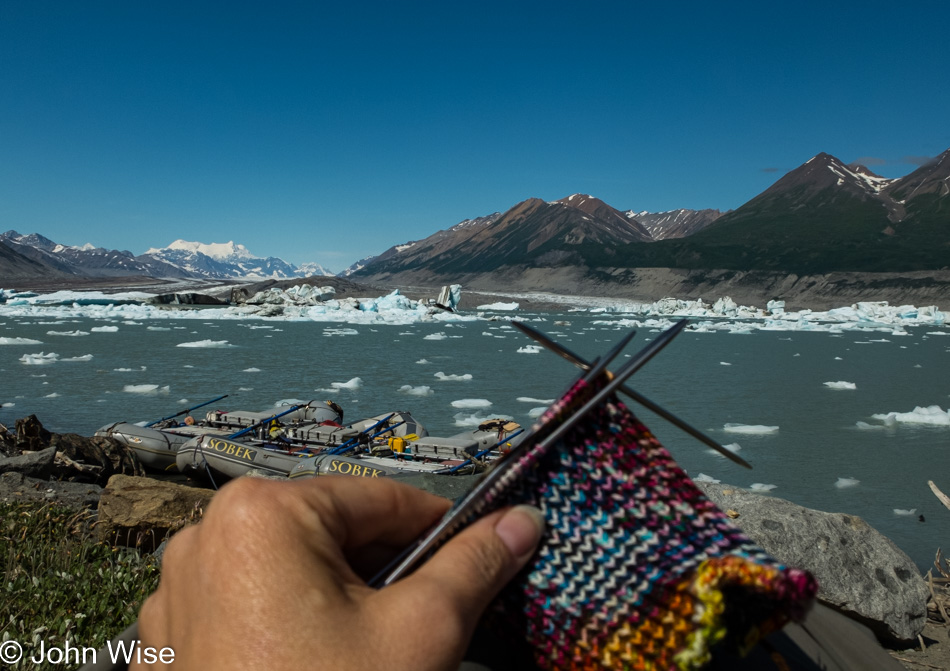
498,307
932,415
528,399
761,487
20,341
40,359
84,357
529,349
534,413
843,483
903,511
436,336
252,369
751,429
732,447
422,390
841,384
452,378
67,333
104,329
145,389
352,384
470,403
475,418
206,344
702,477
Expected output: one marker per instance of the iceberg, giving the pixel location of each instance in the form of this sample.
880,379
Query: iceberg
932,415
841,384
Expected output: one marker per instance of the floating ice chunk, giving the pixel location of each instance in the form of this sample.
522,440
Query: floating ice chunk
160,328
499,307
252,369
864,426
422,390
938,333
528,399
761,487
469,403
436,336
53,395
245,388
40,359
20,341
7,405
840,384
423,361
328,331
350,385
724,363
902,511
67,333
702,477
529,349
474,419
932,415
753,429
84,357
452,378
145,389
732,447
182,401
206,343
838,358
846,482
105,329
537,412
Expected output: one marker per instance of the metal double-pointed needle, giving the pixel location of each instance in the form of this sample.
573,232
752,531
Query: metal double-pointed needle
559,349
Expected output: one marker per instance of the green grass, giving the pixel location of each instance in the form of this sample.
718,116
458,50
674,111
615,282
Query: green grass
59,583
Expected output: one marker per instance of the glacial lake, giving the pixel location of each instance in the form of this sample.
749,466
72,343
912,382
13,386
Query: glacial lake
827,452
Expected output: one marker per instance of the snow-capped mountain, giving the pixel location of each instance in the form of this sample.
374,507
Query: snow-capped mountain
181,259
229,260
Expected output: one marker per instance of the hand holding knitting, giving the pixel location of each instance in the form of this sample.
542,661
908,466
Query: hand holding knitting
273,578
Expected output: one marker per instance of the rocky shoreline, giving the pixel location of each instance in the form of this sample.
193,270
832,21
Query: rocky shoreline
861,572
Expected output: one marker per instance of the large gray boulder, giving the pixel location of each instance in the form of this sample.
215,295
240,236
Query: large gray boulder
861,572
32,464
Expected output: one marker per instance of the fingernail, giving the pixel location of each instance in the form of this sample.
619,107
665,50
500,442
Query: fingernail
520,529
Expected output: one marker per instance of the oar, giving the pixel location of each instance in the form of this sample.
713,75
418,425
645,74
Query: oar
262,422
457,467
462,512
186,411
342,448
561,350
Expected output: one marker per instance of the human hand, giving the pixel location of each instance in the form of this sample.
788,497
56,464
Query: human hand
273,578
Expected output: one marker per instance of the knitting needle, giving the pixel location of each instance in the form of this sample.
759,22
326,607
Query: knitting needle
559,349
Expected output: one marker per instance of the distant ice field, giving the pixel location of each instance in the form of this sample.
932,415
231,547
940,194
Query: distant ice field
867,451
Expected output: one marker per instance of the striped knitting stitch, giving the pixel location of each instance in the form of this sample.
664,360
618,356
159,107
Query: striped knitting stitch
638,569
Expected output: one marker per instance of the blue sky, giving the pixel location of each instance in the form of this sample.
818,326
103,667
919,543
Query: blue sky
325,133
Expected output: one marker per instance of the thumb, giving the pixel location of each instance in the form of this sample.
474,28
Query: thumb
468,571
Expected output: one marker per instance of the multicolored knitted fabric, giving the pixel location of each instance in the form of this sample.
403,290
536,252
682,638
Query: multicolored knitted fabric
638,569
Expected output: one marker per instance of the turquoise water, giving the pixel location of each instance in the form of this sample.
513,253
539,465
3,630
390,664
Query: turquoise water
773,379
